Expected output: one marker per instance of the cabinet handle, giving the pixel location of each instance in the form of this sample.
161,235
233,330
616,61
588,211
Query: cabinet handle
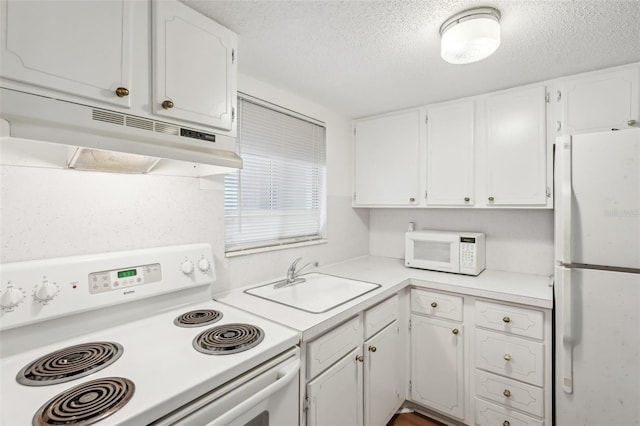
631,123
360,358
506,423
455,331
121,92
506,319
372,349
467,199
491,199
434,304
411,200
507,357
167,105
507,393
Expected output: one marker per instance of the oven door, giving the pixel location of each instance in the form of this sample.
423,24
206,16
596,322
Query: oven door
267,395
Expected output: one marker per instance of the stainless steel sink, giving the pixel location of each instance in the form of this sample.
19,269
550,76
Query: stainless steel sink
318,293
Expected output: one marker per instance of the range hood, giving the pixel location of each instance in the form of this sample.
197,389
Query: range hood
94,131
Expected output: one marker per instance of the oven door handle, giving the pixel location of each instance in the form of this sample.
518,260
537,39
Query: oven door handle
285,376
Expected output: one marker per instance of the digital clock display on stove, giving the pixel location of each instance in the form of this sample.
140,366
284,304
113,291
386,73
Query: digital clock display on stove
127,273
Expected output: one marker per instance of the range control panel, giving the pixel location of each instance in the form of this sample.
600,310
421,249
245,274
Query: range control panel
39,290
99,282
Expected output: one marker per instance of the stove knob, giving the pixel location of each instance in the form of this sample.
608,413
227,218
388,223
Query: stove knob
46,291
12,297
187,267
204,265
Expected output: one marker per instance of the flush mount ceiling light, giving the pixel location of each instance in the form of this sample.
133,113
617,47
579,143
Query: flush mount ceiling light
471,35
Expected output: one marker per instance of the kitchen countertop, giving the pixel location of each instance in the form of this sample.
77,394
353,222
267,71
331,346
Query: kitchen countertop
393,276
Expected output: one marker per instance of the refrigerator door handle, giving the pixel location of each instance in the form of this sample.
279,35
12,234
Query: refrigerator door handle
566,192
567,332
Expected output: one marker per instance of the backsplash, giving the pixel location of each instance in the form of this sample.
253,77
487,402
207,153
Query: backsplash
517,240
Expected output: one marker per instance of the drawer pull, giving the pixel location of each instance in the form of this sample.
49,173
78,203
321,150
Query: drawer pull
455,331
507,357
506,423
372,349
507,393
434,304
359,358
122,92
506,319
167,104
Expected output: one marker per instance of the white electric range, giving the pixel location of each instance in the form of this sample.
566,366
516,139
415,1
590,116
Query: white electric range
134,338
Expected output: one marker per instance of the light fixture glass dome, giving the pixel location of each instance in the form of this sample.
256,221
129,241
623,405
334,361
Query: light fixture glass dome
471,35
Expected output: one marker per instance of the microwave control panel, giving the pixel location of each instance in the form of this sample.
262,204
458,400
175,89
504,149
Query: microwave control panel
467,252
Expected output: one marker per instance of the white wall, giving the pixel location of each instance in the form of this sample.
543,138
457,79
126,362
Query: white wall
517,240
50,212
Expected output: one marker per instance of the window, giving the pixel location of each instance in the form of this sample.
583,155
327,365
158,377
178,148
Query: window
279,196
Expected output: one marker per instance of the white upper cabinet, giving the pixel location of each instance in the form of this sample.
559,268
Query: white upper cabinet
194,72
598,101
450,154
79,48
516,156
387,159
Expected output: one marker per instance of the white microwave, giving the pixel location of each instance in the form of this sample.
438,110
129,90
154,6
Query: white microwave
456,252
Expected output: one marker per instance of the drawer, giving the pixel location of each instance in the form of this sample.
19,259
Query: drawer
330,347
510,356
378,317
488,414
440,305
510,319
510,393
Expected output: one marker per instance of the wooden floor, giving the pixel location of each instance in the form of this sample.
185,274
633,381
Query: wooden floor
412,419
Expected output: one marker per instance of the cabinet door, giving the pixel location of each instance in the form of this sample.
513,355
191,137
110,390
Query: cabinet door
450,154
437,368
516,166
334,395
387,160
74,47
599,102
381,373
194,74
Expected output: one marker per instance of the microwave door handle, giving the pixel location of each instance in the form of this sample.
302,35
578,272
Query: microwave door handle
567,332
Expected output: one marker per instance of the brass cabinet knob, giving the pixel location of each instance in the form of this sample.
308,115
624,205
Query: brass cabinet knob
506,423
121,92
372,349
167,105
360,358
467,199
455,331
491,199
506,319
507,393
507,357
434,304
411,200
631,123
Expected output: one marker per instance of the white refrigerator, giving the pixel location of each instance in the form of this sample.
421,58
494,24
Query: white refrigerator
597,290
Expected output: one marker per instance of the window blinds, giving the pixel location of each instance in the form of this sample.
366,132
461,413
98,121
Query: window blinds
279,195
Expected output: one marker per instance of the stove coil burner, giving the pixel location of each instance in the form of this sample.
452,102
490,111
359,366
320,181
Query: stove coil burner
198,318
86,403
69,363
228,339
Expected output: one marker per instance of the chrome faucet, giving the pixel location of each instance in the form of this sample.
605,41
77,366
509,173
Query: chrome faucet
293,274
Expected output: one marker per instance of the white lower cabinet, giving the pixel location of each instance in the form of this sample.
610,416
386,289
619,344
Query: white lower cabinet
478,361
437,365
333,395
354,372
382,364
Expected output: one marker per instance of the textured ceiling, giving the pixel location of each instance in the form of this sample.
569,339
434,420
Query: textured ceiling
367,57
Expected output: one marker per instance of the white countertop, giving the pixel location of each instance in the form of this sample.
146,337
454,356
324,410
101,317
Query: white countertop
392,275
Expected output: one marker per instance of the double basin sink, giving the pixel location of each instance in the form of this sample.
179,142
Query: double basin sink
316,294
